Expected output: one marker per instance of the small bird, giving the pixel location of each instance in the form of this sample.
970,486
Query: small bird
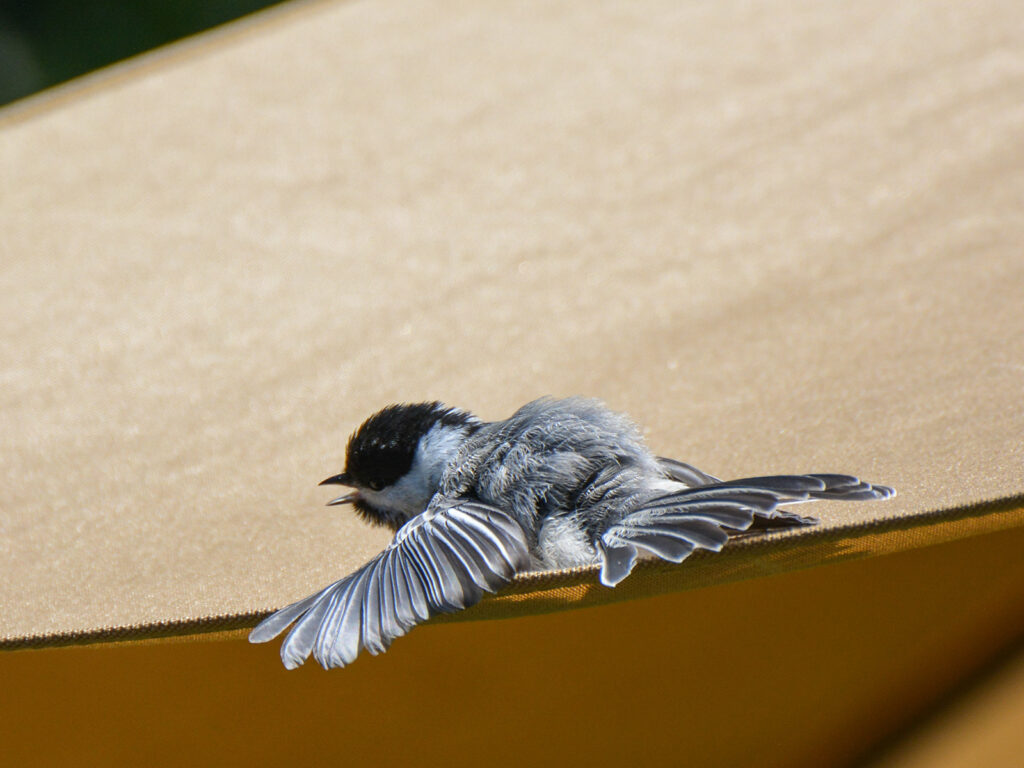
562,483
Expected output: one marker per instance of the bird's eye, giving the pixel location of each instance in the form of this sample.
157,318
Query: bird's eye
375,485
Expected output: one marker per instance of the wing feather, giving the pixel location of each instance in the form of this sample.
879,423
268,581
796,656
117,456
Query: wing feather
298,643
440,561
276,623
685,473
672,525
467,557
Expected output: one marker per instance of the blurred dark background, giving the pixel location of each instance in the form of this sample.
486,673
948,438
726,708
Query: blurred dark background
45,42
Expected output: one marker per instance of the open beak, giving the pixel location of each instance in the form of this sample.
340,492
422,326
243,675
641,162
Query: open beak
348,498
341,479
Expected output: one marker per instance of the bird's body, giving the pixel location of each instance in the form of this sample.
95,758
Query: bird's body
561,483
543,467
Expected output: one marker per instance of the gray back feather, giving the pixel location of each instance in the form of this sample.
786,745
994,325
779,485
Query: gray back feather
546,455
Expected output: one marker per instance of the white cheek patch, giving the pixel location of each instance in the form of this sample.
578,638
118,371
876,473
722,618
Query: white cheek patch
413,492
409,496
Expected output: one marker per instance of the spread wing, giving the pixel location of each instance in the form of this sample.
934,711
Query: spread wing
439,562
671,526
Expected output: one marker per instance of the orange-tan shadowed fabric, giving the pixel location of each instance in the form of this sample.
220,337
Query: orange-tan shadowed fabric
783,236
801,670
982,728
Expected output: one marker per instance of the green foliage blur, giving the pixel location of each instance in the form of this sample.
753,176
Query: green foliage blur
45,42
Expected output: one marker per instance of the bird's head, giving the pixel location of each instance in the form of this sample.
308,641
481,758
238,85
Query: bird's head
395,460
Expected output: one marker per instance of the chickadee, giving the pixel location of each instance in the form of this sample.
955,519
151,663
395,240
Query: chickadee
562,483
